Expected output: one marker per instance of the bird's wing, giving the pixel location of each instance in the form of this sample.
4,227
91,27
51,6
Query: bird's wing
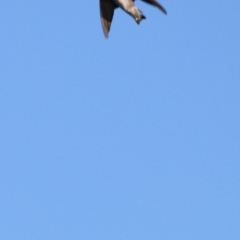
107,8
156,4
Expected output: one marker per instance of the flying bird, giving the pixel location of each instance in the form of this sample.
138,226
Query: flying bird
107,8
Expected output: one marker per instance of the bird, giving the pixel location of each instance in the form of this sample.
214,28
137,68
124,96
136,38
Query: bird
107,8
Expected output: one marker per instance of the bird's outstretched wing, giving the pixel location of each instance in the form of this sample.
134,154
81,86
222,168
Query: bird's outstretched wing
107,8
156,4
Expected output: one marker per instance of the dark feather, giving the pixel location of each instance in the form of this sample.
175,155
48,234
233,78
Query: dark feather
156,4
107,8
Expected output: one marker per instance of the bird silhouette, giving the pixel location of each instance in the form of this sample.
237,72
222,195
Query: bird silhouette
107,8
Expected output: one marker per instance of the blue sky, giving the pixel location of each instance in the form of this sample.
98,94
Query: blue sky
133,137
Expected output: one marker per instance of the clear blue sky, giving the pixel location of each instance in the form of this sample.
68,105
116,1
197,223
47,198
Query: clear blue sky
134,137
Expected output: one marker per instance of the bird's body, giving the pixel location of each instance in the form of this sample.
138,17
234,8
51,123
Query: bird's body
107,8
130,8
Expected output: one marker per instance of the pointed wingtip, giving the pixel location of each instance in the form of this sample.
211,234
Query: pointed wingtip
105,27
105,32
163,9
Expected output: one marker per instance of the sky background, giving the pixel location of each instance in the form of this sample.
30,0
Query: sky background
132,137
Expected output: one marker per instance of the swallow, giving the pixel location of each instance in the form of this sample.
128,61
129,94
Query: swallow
107,8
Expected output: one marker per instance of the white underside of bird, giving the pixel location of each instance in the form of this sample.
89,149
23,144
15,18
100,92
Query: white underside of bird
107,8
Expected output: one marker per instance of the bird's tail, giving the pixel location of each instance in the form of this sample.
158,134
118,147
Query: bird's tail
136,14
